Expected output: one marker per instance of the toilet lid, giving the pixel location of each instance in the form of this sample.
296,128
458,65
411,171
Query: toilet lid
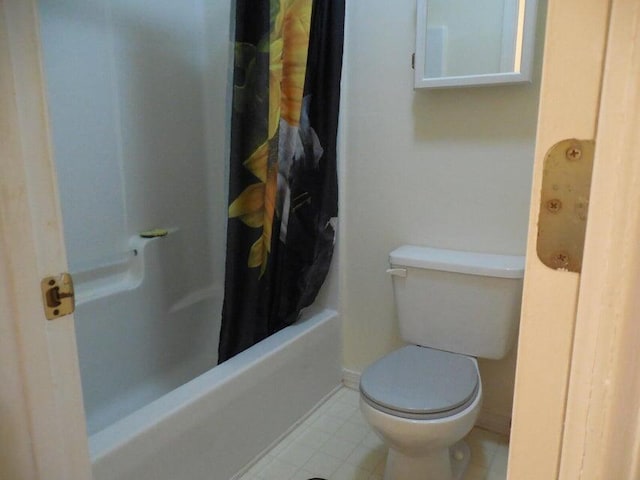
420,381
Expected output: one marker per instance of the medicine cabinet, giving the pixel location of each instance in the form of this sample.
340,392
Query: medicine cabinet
469,42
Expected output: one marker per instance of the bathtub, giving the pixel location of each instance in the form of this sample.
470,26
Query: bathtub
214,425
157,405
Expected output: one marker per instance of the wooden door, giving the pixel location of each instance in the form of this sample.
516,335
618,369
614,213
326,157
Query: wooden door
42,427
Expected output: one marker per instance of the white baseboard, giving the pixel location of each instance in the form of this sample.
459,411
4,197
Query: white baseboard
494,422
351,379
491,421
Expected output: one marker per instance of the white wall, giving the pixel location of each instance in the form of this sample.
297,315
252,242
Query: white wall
446,168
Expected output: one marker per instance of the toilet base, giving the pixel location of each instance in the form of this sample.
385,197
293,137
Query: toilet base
446,464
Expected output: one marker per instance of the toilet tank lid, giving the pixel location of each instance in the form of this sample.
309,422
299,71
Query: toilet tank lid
472,263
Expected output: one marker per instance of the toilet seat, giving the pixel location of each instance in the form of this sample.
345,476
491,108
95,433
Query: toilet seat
421,383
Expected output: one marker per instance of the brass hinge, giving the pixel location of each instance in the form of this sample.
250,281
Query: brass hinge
58,296
564,204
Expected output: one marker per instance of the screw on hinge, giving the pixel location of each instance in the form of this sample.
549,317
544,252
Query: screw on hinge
573,153
560,260
554,205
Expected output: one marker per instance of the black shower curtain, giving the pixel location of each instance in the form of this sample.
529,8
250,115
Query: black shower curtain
283,183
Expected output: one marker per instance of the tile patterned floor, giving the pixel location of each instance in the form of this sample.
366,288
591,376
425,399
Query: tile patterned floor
335,443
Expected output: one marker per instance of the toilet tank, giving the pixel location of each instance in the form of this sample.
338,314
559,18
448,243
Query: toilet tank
462,302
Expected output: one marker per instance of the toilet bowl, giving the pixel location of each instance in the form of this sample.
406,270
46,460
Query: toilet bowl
421,402
422,399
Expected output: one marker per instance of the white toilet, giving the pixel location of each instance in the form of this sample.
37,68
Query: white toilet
424,398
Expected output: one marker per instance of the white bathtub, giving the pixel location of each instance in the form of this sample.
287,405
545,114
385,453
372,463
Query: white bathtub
211,427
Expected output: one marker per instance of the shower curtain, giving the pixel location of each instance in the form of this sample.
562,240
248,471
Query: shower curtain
283,183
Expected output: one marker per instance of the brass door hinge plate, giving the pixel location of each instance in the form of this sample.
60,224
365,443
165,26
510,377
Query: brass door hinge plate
58,296
564,204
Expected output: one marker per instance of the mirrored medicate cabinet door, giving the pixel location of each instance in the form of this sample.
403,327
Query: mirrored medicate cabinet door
467,43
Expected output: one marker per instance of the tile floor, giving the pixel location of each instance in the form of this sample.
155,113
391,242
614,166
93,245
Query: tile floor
335,443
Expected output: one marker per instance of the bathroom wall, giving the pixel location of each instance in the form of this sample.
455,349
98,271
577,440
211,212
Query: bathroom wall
446,168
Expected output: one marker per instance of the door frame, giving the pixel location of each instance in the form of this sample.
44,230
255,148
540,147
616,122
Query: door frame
602,435
574,53
577,391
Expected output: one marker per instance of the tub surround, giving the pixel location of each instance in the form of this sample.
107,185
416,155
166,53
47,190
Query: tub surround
136,94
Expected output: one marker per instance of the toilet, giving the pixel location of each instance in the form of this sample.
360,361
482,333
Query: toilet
423,398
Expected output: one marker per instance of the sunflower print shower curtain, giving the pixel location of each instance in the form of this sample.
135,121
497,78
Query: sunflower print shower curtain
283,184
